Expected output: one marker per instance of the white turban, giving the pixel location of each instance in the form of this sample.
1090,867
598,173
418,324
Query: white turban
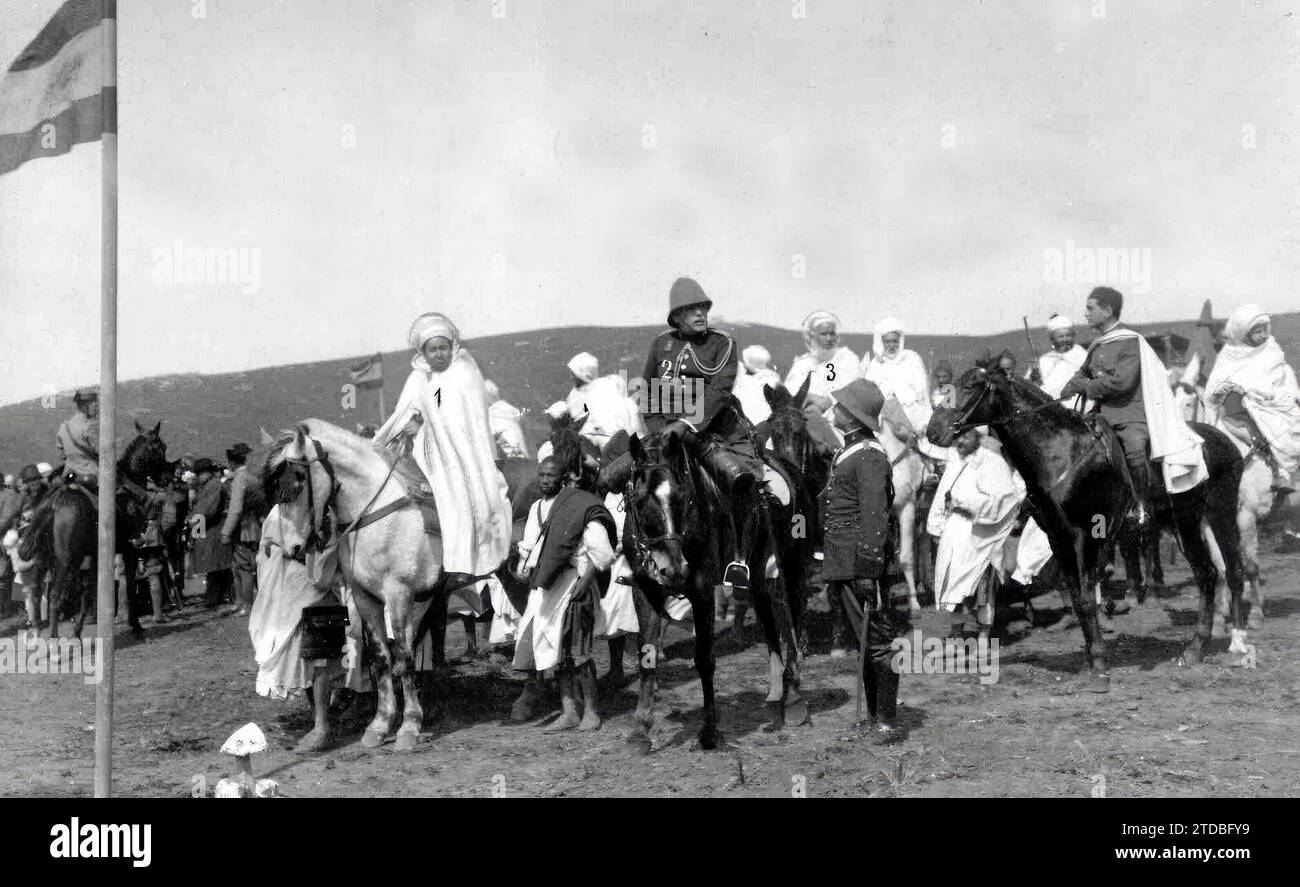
756,358
1243,320
585,367
45,468
887,325
1059,322
431,326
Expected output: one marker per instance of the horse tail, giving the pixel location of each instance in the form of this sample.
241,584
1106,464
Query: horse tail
36,538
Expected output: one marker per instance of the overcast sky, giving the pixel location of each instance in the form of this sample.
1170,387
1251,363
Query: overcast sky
525,164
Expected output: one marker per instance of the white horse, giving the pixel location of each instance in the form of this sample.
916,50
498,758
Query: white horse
326,477
908,476
1255,502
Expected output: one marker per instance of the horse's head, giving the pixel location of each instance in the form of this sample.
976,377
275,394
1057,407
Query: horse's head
299,479
662,512
787,426
984,395
579,456
145,457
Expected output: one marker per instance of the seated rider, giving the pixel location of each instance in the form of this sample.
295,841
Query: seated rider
688,379
1112,377
78,441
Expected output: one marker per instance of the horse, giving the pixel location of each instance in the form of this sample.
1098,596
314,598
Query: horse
329,481
1077,483
1255,503
676,543
65,529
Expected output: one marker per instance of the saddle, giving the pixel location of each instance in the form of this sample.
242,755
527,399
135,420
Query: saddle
414,485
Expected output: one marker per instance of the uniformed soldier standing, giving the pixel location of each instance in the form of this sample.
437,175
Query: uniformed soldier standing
857,505
78,440
687,382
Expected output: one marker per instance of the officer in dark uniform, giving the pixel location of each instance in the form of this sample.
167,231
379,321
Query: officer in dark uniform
687,385
857,508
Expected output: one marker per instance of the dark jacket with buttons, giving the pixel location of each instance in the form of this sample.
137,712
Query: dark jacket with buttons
857,509
1111,377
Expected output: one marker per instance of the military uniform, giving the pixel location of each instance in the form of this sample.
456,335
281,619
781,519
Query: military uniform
78,441
857,508
688,379
1111,377
243,529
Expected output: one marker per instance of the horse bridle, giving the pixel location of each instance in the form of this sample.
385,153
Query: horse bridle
318,536
963,424
644,546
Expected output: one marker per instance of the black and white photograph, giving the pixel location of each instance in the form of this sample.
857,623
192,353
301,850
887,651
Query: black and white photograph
867,399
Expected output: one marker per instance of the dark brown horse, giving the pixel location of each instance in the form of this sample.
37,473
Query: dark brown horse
65,529
1074,471
674,538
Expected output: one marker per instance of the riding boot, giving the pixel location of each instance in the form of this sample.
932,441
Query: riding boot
590,700
884,702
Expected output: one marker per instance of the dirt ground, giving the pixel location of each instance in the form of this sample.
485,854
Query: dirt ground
1163,730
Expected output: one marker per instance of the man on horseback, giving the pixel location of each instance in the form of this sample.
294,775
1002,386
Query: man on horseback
78,441
1136,403
688,378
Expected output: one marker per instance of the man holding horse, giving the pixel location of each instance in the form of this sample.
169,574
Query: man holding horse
78,440
1123,376
688,379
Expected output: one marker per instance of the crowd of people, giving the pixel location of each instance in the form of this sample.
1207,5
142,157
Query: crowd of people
455,425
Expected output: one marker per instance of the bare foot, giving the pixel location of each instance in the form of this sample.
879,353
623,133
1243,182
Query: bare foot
565,722
590,720
316,740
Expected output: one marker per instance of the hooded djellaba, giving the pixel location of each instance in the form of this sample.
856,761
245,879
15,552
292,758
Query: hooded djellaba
454,447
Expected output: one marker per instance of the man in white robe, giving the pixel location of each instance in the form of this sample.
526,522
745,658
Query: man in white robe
569,537
445,398
826,365
1255,390
503,419
900,374
974,512
1055,368
755,373
602,399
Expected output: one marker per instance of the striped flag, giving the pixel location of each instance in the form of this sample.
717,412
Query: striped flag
53,95
369,373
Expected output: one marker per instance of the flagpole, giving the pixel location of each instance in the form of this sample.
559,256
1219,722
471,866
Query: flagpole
108,406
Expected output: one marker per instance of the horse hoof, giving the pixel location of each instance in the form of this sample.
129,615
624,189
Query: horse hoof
316,740
709,738
1217,628
1238,644
796,713
1100,682
406,741
372,738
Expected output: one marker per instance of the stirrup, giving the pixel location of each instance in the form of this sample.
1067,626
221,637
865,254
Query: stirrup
736,576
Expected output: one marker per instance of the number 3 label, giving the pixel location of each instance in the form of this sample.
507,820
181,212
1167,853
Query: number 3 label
830,372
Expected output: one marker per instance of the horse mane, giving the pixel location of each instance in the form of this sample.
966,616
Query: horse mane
1049,407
